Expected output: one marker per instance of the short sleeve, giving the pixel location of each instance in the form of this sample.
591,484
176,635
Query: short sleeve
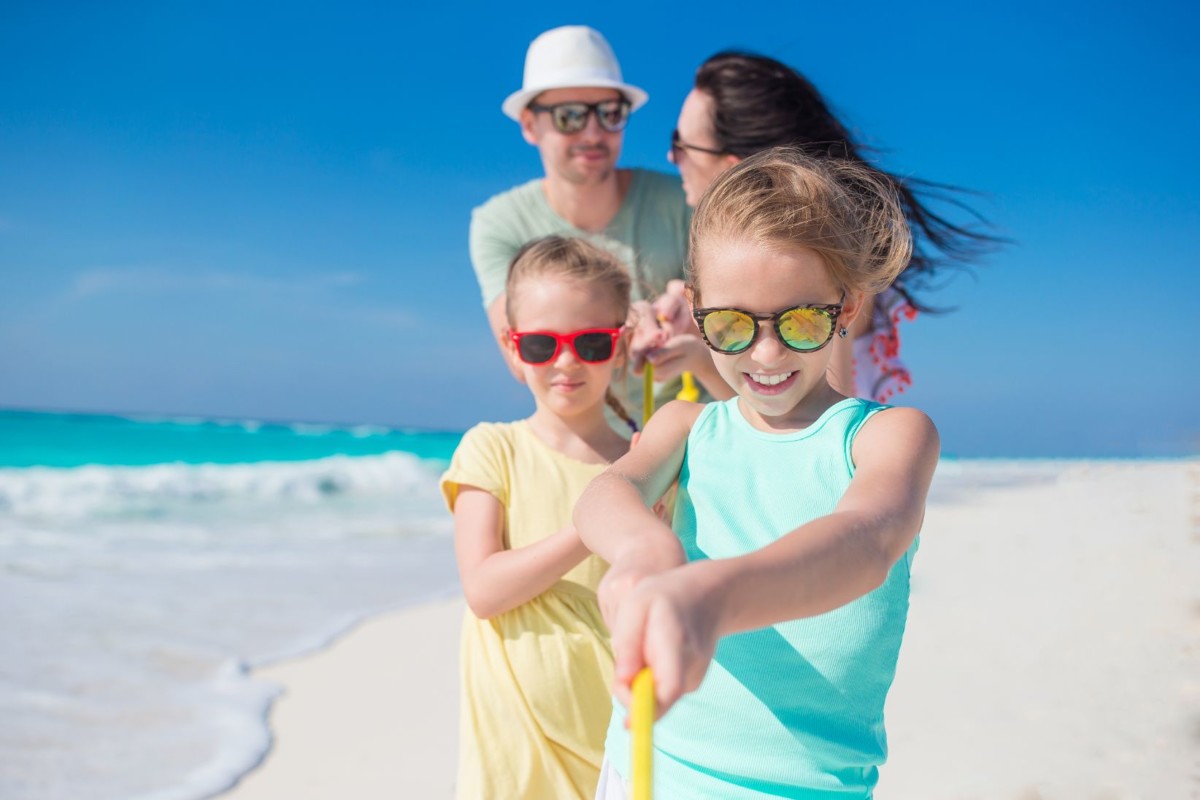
492,248
484,459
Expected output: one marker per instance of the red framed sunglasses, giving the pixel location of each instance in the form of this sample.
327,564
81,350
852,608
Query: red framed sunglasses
593,345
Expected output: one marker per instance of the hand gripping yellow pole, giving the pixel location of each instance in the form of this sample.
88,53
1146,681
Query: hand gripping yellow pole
641,728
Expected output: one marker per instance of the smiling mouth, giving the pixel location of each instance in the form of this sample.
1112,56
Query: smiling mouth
770,384
770,380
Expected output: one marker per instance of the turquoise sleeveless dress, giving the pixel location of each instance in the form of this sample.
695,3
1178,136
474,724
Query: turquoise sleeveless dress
793,710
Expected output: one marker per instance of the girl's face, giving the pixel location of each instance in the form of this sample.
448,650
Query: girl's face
780,388
695,135
565,385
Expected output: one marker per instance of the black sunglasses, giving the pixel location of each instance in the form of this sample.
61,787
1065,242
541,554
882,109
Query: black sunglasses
678,145
572,117
804,329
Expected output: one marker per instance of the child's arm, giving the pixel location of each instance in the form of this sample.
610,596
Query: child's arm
614,515
496,580
671,621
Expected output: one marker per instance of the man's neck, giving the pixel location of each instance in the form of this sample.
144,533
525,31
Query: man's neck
589,207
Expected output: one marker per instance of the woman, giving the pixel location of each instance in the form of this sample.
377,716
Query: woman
744,103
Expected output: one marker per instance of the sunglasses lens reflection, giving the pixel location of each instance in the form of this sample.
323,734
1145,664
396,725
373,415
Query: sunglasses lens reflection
805,328
729,331
612,115
572,117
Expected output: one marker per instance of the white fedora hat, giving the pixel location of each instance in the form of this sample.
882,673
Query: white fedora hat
569,57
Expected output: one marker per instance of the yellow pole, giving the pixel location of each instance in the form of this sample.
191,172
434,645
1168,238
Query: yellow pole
690,391
647,394
641,727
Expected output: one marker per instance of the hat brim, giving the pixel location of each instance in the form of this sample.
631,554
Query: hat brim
516,102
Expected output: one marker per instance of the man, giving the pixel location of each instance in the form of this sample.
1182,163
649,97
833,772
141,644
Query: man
573,107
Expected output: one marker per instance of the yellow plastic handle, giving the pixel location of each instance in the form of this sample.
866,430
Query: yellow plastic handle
647,394
689,392
641,727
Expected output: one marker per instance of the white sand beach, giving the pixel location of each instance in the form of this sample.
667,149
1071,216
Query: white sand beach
1052,653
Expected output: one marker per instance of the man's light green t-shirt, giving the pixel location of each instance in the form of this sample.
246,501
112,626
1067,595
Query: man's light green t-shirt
649,232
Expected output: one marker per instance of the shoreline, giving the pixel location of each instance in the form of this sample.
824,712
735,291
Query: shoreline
366,715
1052,653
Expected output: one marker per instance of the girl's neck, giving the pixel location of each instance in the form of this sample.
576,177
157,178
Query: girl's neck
586,437
803,414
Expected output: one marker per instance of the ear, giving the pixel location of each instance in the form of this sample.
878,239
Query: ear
529,127
730,160
852,306
621,348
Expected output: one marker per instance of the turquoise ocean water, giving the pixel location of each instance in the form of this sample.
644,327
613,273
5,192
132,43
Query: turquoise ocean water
48,439
148,563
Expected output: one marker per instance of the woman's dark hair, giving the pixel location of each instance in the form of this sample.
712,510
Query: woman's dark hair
761,103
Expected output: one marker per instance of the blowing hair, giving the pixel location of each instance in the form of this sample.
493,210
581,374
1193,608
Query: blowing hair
568,258
761,103
782,197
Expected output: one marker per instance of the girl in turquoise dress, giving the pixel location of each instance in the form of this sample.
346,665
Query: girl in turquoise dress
772,608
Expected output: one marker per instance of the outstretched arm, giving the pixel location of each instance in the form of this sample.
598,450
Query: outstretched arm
672,621
614,514
496,580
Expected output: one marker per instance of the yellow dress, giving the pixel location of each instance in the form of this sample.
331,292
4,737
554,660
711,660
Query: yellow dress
536,680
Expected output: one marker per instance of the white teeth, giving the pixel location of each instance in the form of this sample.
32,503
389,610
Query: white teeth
771,380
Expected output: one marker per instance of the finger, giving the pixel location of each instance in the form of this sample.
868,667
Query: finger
668,680
627,642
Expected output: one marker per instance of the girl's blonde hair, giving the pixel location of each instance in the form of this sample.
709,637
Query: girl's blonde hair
781,197
572,259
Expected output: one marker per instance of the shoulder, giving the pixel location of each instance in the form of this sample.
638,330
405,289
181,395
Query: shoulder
502,203
483,460
658,184
896,432
489,437
675,419
684,411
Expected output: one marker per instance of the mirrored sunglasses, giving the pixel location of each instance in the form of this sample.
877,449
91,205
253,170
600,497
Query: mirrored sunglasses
800,328
594,345
572,117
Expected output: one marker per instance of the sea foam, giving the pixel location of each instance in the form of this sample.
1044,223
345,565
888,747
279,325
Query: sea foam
138,598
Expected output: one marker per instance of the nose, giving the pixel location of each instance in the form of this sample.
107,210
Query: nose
566,357
767,349
591,124
671,155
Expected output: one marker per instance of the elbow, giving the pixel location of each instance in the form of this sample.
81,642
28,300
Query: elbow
482,605
886,553
881,567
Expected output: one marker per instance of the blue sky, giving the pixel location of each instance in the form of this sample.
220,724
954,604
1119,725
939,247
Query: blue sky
260,210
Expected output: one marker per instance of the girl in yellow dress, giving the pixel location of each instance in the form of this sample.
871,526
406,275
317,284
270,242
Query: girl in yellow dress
536,659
